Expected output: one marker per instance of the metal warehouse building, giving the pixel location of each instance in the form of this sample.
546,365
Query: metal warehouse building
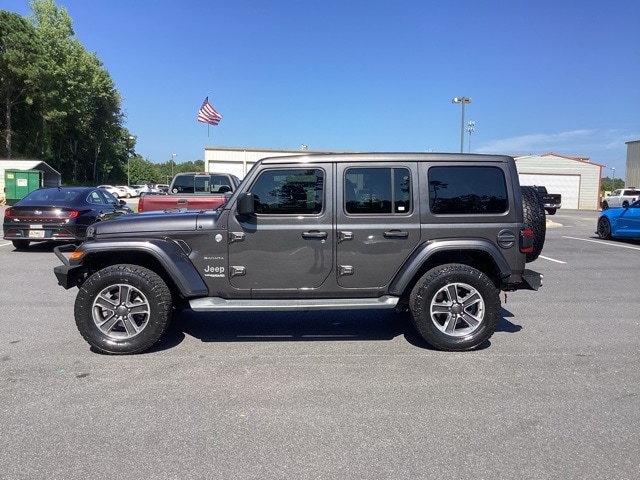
239,160
632,172
576,178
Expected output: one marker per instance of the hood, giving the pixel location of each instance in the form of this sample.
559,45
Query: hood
153,223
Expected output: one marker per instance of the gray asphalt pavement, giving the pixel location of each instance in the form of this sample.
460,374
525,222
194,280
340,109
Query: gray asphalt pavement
333,395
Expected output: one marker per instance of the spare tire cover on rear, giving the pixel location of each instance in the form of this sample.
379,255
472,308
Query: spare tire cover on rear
534,219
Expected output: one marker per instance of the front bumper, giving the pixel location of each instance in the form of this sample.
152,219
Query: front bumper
68,275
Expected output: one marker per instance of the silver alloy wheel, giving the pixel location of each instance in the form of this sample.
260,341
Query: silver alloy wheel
457,309
121,311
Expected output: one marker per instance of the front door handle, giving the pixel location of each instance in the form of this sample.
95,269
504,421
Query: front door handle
396,234
315,234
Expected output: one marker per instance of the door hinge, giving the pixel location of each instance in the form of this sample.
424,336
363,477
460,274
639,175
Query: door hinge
236,237
344,270
236,271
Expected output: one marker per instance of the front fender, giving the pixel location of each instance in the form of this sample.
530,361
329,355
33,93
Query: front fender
172,257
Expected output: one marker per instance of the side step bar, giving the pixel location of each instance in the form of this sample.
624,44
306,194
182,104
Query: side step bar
217,304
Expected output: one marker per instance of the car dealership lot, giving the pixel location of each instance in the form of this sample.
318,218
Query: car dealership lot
333,395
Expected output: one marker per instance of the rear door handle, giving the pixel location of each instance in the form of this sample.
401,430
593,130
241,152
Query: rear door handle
314,234
396,234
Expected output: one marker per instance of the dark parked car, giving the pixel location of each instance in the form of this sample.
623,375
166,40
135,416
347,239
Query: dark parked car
61,214
621,222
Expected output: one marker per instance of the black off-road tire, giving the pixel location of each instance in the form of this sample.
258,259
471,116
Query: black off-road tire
551,211
604,228
123,309
455,324
534,219
20,244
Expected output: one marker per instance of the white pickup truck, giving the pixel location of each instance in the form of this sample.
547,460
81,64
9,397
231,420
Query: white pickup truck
621,197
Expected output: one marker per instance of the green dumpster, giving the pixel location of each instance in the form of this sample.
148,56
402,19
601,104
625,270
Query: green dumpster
17,183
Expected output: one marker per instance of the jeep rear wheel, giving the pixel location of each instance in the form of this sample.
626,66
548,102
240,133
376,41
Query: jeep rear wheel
123,309
455,307
534,219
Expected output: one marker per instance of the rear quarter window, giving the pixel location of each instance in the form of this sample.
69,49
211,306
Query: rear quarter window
460,190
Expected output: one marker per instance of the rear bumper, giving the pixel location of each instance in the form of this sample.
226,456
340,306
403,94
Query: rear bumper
42,234
529,280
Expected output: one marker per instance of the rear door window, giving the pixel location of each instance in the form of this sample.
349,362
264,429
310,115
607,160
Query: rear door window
459,190
377,191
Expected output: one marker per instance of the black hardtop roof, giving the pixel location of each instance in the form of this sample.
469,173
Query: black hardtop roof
386,157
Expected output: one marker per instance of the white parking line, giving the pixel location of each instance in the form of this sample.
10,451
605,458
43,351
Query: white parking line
5,244
604,242
551,259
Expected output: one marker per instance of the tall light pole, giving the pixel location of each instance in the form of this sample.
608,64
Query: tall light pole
471,127
613,178
461,100
173,160
131,140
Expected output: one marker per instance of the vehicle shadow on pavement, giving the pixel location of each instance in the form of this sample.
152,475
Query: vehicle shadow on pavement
37,247
347,325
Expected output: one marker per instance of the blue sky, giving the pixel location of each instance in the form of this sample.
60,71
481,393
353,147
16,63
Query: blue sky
549,75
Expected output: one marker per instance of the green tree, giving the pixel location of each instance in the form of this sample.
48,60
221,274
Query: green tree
197,166
20,67
142,171
81,132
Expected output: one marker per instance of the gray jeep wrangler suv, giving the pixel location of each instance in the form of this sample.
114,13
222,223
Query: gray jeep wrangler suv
438,234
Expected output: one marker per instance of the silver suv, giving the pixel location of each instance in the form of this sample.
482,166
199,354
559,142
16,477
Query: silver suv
621,197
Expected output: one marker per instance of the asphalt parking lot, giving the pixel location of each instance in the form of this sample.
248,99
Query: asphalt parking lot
555,395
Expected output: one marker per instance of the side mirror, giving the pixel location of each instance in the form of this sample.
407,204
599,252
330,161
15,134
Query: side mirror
246,204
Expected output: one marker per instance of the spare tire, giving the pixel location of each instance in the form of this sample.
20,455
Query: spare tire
534,219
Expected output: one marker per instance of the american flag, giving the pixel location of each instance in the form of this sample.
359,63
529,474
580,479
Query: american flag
208,114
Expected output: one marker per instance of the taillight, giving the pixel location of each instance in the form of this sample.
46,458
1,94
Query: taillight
7,213
526,240
140,208
74,213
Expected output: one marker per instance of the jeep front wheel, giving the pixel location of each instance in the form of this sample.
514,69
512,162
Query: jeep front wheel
455,307
123,309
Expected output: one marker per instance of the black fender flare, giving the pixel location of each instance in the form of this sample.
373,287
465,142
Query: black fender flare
422,254
173,259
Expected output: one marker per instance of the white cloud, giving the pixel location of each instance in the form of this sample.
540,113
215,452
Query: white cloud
606,147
